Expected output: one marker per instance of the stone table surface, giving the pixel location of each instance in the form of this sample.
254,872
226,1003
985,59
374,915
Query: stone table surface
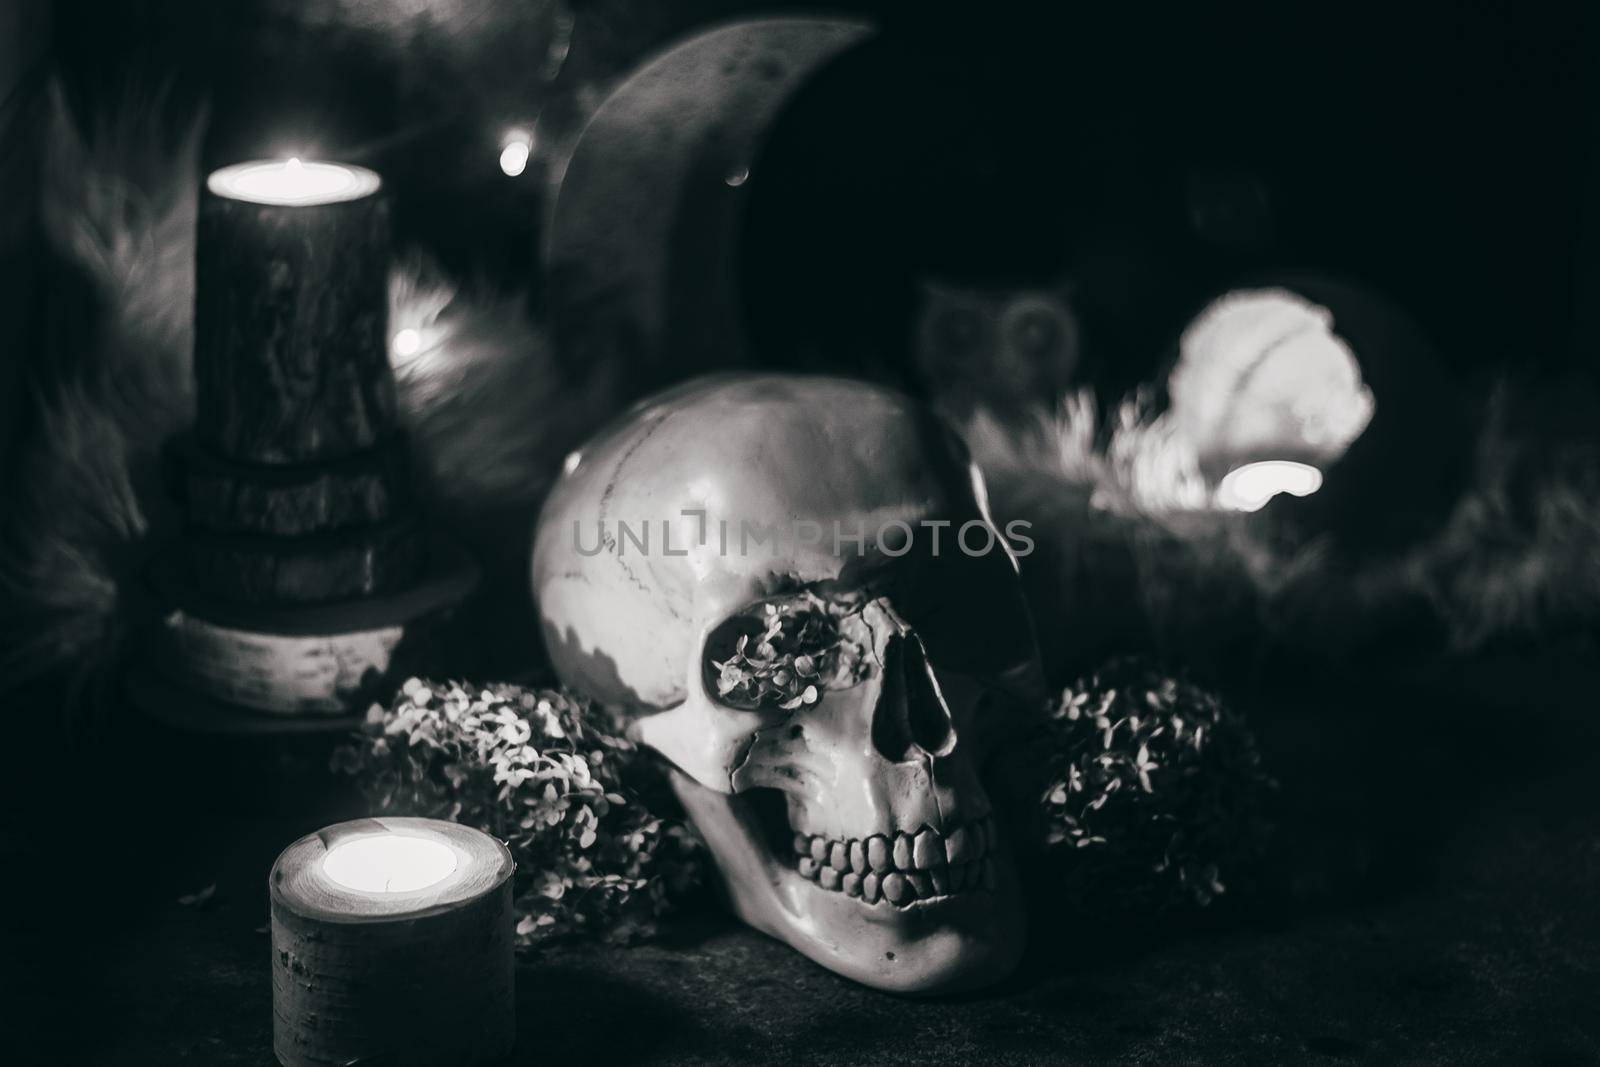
1438,905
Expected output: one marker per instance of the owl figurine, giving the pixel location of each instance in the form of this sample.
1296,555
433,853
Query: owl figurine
1005,350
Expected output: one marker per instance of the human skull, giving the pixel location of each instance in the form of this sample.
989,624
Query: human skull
793,586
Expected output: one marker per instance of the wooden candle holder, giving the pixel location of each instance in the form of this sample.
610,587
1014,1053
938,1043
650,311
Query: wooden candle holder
305,582
424,976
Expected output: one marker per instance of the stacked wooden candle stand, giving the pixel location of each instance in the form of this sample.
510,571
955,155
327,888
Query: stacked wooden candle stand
305,581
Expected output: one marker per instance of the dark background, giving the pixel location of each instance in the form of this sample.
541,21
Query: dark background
1441,153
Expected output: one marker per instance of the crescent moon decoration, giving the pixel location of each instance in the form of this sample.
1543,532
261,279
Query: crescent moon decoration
653,193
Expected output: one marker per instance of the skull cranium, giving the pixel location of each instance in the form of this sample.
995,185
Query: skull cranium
793,585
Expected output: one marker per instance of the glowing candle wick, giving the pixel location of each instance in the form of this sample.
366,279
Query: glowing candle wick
389,863
293,182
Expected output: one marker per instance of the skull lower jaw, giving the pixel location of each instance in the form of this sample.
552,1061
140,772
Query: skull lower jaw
949,943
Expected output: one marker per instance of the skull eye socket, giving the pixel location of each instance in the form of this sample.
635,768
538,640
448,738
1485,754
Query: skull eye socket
776,654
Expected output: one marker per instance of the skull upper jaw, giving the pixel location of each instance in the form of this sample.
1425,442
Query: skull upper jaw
948,944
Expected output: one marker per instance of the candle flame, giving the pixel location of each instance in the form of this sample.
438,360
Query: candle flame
293,182
1248,488
390,863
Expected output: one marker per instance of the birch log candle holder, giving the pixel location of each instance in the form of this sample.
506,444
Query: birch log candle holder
305,582
392,943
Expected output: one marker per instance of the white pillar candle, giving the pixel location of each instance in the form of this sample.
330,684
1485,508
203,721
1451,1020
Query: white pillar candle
392,942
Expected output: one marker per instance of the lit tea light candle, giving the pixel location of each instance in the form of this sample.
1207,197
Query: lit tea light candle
293,182
1248,488
390,863
392,942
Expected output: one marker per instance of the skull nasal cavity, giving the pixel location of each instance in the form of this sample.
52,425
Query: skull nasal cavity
911,719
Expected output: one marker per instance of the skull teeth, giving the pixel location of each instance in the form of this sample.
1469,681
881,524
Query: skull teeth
902,868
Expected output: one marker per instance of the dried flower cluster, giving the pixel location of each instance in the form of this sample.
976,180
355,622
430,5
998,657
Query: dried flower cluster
787,662
1155,791
545,772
